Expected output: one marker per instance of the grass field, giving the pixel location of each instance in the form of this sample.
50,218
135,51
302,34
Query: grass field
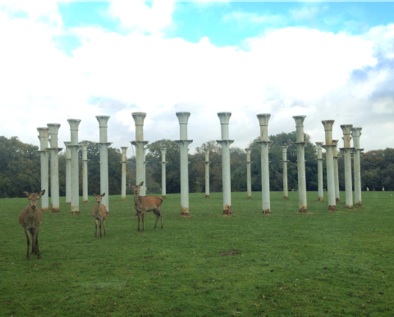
286,264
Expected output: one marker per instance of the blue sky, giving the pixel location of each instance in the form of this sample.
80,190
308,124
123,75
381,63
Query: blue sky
72,59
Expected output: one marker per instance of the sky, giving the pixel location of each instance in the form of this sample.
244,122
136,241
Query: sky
328,60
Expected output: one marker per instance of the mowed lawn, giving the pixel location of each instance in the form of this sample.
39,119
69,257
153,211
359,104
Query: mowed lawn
247,264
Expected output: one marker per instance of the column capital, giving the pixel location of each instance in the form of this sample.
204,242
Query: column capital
139,117
183,117
263,121
224,117
328,129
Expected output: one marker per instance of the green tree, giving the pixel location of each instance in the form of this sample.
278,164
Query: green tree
153,166
19,168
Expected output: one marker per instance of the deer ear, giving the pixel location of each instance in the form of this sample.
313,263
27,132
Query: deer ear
103,194
142,183
27,194
42,192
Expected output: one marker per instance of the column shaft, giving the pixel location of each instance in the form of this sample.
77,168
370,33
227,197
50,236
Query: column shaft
330,164
265,177
320,195
224,118
54,159
183,143
103,145
139,144
284,173
74,124
207,190
163,172
248,174
44,166
300,143
124,172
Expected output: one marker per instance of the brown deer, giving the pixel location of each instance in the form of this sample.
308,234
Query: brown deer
30,219
144,204
99,214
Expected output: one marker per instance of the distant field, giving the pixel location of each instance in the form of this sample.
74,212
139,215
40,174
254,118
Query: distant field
286,264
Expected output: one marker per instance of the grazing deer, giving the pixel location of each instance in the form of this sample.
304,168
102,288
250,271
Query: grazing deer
30,219
99,214
144,204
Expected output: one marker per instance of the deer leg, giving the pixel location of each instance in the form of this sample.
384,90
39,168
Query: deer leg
35,243
157,214
139,220
104,227
96,223
143,220
28,244
161,217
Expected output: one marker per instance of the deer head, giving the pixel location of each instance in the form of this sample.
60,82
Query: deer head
34,198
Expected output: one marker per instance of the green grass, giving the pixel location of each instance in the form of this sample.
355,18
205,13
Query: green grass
286,264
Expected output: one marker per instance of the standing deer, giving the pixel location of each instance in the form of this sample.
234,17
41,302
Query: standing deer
99,214
144,204
30,219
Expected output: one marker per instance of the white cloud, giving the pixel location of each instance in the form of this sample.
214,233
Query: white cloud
285,72
139,15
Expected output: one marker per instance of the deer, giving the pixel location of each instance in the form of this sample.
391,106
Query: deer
30,219
99,214
144,204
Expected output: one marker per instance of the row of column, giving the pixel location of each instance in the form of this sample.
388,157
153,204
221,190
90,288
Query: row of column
50,133
49,136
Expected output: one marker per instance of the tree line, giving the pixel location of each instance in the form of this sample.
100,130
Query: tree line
20,167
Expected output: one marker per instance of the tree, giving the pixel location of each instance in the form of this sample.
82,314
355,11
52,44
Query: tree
153,166
19,168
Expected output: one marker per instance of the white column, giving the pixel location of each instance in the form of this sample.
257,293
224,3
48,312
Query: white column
207,190
124,172
225,142
74,146
183,143
265,177
84,148
347,150
104,144
139,144
43,136
356,133
163,172
285,182
54,153
248,174
330,164
320,192
336,174
68,172
300,143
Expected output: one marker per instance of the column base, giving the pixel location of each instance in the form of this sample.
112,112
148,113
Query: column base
320,198
184,212
332,208
303,210
227,210
55,210
267,212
